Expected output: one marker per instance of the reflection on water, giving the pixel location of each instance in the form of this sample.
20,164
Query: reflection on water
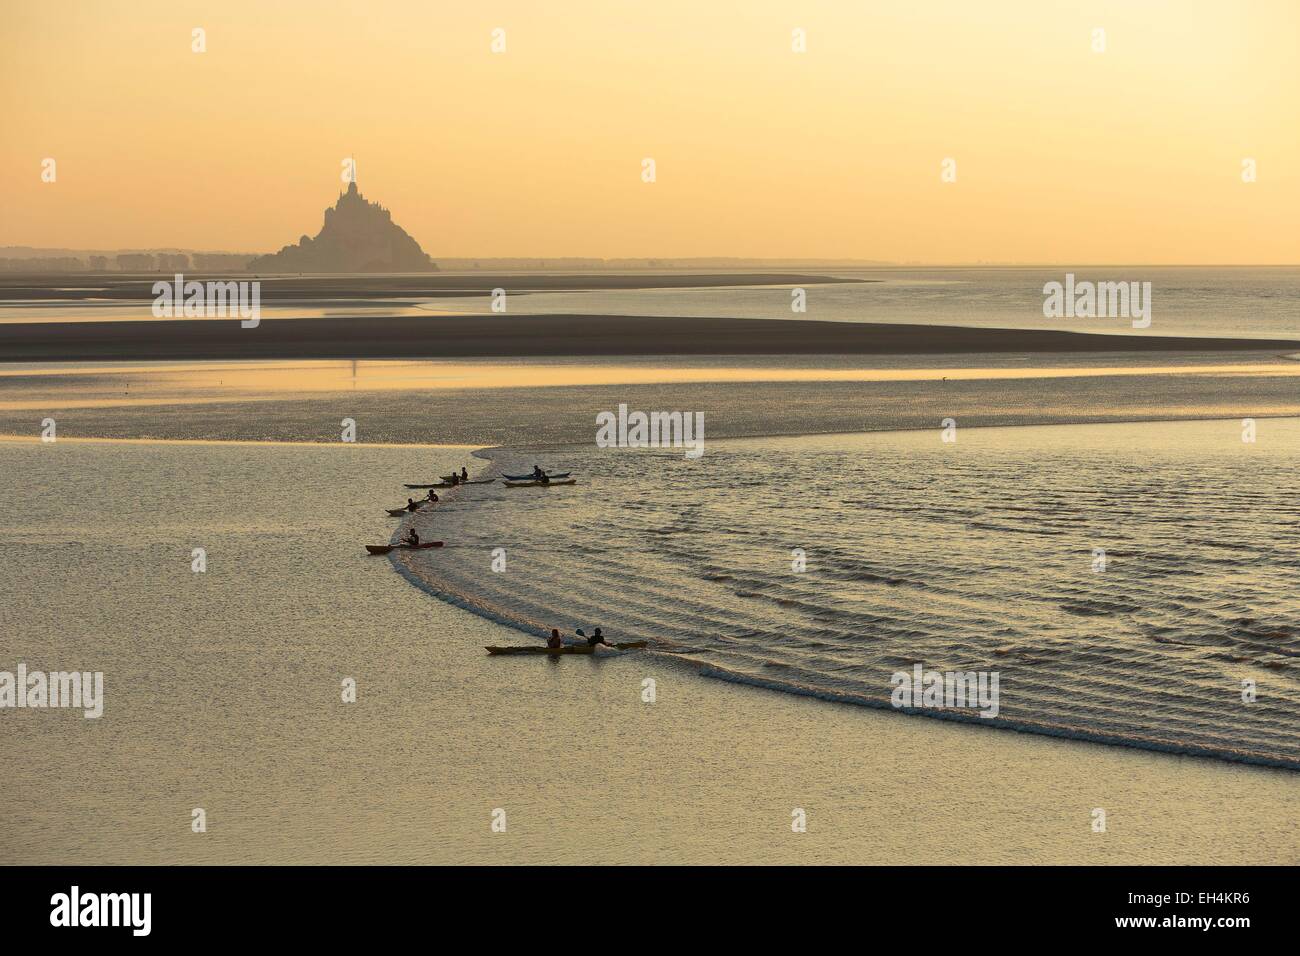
222,691
1238,302
978,555
108,385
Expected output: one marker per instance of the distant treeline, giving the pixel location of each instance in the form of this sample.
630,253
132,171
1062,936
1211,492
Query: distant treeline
172,262
132,262
577,264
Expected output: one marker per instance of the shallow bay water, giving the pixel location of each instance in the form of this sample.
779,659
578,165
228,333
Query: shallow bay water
1235,301
223,692
1124,580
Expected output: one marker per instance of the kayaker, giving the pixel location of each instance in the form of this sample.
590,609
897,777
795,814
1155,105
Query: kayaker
538,473
596,638
412,537
433,495
464,475
554,641
455,480
412,504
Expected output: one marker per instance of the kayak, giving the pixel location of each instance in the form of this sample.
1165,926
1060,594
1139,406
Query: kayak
566,649
448,484
385,548
539,484
560,474
398,512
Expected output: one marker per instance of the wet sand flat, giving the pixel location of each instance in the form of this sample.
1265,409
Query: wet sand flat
496,336
214,403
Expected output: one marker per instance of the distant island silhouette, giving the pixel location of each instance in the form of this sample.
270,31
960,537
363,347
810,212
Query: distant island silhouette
358,236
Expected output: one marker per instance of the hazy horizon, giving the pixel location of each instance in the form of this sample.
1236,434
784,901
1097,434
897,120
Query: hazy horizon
635,263
739,261
1133,154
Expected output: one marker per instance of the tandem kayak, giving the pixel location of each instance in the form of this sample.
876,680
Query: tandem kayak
540,484
529,477
385,548
448,484
566,649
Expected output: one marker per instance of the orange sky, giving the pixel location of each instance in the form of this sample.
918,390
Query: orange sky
1063,154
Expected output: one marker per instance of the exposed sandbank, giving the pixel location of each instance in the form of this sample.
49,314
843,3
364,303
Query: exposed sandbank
496,336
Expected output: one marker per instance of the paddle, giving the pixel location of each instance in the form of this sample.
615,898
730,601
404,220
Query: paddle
602,637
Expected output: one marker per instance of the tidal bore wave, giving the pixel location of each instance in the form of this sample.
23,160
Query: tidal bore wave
1132,585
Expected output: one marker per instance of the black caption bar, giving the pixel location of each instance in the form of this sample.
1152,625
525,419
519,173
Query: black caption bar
139,905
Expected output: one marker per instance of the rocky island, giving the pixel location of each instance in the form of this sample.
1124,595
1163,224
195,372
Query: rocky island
358,236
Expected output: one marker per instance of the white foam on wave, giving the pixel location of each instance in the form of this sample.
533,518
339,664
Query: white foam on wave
691,561
1000,723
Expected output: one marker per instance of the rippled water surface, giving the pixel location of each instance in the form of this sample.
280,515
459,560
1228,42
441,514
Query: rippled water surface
221,689
976,555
